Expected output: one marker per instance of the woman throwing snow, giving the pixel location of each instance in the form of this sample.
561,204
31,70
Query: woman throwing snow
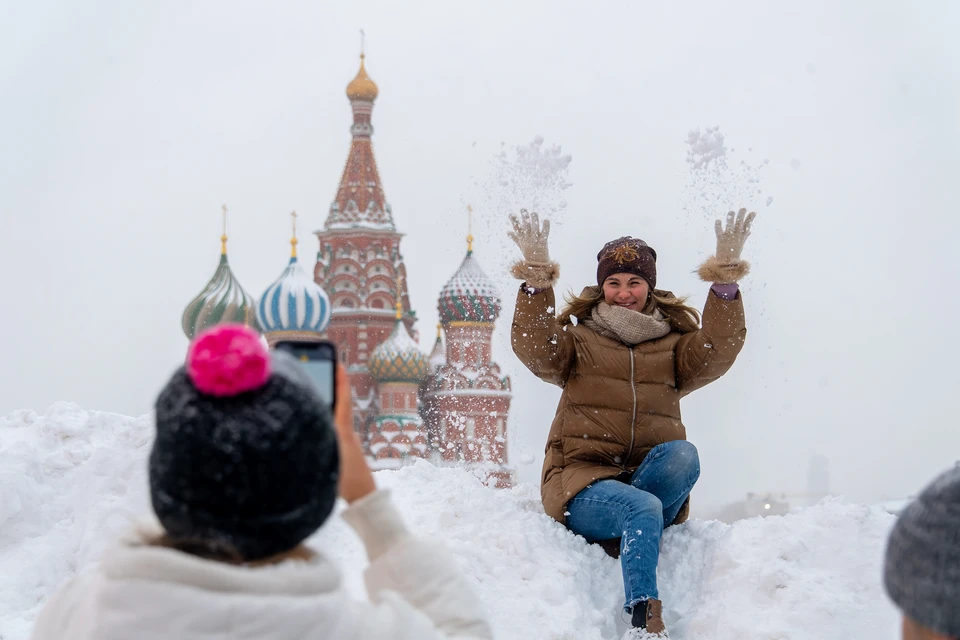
617,463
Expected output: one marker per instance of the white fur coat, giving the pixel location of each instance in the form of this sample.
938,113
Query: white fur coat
154,593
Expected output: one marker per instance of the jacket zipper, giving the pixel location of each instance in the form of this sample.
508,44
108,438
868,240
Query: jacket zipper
633,419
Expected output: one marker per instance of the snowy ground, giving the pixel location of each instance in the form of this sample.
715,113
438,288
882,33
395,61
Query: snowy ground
71,480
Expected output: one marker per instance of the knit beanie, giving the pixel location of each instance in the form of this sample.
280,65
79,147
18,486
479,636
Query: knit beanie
245,457
627,255
922,567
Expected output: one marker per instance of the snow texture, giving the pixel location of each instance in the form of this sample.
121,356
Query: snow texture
73,480
533,177
705,148
718,180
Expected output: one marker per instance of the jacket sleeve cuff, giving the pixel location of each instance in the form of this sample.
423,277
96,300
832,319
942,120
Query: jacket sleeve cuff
377,522
727,292
539,275
714,270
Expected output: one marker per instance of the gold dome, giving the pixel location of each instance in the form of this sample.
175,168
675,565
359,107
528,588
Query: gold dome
362,87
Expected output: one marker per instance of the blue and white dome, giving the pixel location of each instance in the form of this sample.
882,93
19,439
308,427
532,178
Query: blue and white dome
294,303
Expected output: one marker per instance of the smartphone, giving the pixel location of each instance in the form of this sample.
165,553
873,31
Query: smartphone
319,360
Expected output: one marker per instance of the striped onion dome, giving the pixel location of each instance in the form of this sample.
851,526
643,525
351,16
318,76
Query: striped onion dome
222,300
398,358
469,296
294,303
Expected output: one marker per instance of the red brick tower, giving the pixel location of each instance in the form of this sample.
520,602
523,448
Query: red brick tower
466,400
359,260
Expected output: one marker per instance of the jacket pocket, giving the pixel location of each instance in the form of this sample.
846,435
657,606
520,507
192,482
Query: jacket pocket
554,460
555,455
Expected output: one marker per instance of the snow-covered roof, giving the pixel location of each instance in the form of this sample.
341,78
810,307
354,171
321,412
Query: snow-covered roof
222,300
398,358
294,303
469,296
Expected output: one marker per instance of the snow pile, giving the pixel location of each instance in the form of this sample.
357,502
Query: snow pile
73,480
67,481
718,182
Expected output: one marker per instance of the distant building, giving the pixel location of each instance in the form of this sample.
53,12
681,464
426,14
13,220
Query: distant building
222,300
466,399
451,406
818,478
755,504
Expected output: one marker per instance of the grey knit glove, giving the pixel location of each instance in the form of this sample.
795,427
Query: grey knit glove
531,237
727,267
730,240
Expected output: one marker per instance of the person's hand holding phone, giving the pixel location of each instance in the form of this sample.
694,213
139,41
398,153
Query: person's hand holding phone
356,479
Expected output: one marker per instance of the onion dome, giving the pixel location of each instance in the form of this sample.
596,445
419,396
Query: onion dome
469,296
362,87
398,358
222,300
294,302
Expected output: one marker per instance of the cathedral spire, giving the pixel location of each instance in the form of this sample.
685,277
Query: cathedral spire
293,238
399,304
223,238
222,300
360,201
469,230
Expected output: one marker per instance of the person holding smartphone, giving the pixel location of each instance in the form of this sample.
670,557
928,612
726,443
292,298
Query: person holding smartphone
246,465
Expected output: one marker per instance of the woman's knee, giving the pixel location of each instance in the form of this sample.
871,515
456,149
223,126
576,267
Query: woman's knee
642,504
684,459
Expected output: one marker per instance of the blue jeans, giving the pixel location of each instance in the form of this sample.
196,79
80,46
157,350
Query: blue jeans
636,512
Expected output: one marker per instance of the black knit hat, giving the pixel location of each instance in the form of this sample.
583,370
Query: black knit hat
922,566
245,457
627,255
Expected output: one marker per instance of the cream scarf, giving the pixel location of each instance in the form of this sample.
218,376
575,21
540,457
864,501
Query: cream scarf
629,327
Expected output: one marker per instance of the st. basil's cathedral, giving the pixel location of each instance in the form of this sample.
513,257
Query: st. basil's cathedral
450,406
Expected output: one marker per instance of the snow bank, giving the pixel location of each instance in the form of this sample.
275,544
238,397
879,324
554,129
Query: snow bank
72,480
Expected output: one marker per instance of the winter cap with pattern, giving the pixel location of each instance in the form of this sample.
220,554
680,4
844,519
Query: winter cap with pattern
245,457
922,568
627,255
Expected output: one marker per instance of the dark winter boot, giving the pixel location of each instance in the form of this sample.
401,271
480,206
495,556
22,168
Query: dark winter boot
648,619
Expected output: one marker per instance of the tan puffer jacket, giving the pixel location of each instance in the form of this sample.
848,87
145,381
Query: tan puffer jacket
618,402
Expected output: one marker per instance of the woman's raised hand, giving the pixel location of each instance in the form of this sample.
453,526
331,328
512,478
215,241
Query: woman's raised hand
531,237
730,239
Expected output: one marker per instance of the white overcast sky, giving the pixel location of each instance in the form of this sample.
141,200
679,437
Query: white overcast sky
124,127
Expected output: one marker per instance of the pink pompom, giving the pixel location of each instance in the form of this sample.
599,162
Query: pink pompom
228,360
